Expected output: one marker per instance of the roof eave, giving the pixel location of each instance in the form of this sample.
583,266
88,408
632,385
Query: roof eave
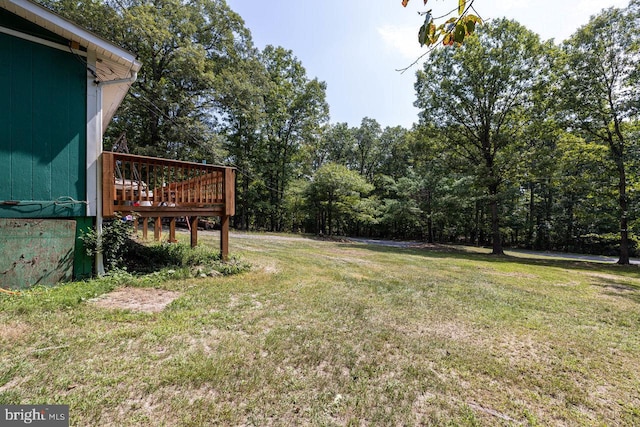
55,23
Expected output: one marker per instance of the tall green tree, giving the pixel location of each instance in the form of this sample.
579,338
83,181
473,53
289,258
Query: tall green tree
601,91
184,47
478,95
336,144
585,191
296,108
395,153
335,194
240,102
367,151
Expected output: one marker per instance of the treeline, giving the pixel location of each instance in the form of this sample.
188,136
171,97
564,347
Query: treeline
520,141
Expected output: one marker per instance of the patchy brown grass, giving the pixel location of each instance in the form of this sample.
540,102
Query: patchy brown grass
13,331
148,300
337,333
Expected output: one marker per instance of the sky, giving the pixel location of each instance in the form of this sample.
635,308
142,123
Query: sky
356,46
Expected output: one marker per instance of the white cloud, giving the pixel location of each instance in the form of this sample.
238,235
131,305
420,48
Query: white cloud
403,40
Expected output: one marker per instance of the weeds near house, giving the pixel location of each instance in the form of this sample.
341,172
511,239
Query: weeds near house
123,252
328,333
113,242
202,260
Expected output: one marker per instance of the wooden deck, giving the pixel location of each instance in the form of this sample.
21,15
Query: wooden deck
157,188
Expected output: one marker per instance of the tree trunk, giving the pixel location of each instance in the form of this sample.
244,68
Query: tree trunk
330,215
245,209
569,235
429,219
617,150
548,208
495,221
530,220
475,231
624,206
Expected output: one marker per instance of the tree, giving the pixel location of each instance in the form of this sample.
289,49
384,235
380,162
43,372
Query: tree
240,102
336,145
295,108
477,95
184,48
334,194
367,149
601,91
585,200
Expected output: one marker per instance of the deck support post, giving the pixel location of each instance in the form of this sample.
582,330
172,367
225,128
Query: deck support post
172,230
145,228
157,229
193,220
135,226
224,237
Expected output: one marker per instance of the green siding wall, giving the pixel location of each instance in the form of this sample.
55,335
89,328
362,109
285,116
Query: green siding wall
36,251
42,131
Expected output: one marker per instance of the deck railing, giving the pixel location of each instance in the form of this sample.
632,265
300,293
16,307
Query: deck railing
161,188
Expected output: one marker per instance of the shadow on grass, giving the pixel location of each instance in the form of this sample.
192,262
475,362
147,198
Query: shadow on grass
611,276
632,271
143,259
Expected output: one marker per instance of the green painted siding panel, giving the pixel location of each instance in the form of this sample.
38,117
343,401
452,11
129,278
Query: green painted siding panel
21,104
43,122
40,136
36,251
6,115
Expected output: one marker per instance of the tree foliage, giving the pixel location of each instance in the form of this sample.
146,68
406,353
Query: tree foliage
600,91
451,31
335,194
478,97
519,143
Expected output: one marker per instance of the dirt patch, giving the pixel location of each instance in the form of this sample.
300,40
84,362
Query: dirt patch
13,331
147,300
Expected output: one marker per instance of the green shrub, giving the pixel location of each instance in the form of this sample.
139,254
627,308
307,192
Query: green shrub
112,243
152,258
121,252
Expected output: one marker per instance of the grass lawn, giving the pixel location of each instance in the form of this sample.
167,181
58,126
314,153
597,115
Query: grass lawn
328,333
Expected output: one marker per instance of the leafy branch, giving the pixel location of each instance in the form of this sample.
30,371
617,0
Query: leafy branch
451,32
